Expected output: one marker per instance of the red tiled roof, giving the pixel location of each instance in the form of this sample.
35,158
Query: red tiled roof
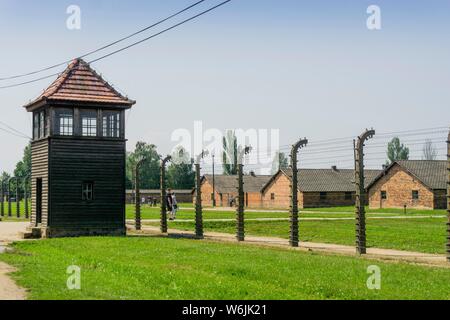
80,83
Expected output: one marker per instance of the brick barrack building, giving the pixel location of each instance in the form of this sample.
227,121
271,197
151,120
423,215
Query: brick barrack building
226,190
316,188
418,184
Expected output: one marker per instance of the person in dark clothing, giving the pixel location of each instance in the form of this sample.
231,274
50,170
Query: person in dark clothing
169,203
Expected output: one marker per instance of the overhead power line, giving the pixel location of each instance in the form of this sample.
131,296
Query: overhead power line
105,46
161,32
13,129
13,133
129,46
31,81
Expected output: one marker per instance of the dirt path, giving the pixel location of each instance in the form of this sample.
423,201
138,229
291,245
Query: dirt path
9,290
372,253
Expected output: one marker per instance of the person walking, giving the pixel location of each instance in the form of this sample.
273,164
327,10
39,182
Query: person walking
174,206
169,203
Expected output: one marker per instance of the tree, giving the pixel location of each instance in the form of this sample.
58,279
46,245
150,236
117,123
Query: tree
180,173
429,152
397,151
149,170
23,170
4,179
230,153
279,162
23,167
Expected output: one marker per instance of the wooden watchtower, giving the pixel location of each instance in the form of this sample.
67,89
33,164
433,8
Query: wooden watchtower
78,156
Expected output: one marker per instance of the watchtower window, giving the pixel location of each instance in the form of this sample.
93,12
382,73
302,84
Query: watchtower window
88,123
36,125
111,124
39,124
64,122
87,191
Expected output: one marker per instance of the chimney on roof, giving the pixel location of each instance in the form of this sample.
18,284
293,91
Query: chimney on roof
334,168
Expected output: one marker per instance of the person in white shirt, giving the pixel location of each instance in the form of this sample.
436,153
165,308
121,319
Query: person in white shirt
174,206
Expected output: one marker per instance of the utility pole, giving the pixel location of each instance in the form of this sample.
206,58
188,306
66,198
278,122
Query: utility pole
448,197
293,216
137,195
213,182
163,218
198,196
361,191
240,232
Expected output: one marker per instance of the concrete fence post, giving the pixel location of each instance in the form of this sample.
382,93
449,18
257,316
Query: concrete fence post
293,214
137,195
163,215
448,197
198,196
361,191
240,230
25,195
2,198
17,198
9,196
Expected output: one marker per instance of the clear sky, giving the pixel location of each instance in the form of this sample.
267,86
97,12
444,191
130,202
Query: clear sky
307,68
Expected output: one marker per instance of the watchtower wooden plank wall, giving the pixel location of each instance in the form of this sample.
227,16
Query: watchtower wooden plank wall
79,156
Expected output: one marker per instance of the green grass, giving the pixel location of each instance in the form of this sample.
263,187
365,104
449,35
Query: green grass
409,211
187,212
160,268
14,208
423,235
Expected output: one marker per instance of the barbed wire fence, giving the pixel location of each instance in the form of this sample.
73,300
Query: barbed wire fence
340,152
